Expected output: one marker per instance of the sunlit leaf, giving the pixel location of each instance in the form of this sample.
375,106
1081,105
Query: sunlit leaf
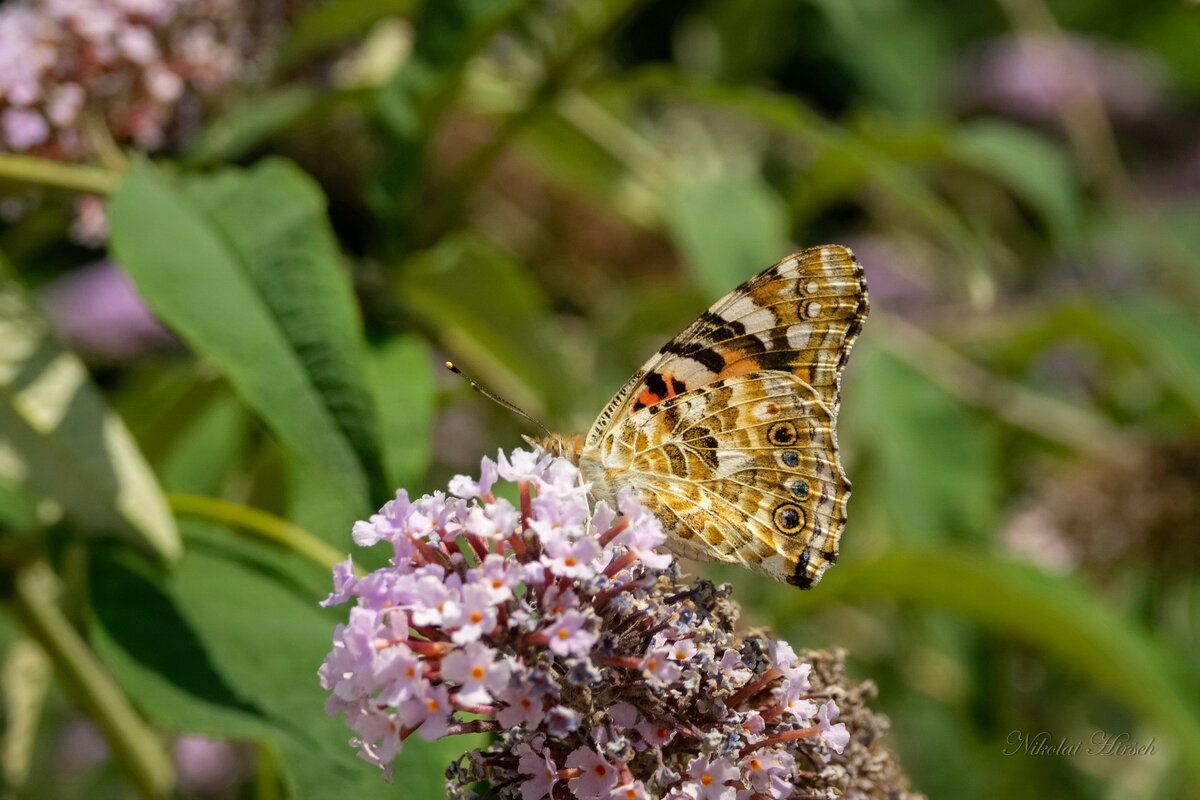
319,28
64,440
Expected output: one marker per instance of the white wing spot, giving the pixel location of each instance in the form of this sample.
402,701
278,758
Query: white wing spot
813,309
799,335
754,318
811,287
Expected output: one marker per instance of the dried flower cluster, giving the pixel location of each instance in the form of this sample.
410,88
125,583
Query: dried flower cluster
132,63
556,624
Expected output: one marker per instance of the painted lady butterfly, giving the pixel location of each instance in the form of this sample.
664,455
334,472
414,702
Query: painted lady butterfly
727,433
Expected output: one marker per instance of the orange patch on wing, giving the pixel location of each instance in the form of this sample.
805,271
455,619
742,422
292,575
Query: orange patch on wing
648,397
739,363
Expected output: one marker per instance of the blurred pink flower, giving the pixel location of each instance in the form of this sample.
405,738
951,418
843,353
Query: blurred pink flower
96,311
1031,76
209,766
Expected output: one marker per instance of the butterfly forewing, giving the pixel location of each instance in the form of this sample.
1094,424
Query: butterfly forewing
800,316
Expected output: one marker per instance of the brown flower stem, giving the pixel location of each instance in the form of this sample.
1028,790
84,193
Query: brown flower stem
613,532
751,689
474,726
780,738
624,662
526,503
426,648
487,711
620,563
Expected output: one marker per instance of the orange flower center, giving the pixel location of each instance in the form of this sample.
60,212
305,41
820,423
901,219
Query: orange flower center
562,633
570,561
475,616
600,770
706,779
431,704
477,673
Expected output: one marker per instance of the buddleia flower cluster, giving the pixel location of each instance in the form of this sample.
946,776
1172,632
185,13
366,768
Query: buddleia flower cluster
554,623
75,72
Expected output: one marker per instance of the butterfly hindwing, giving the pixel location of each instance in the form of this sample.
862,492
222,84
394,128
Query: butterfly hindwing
743,469
800,316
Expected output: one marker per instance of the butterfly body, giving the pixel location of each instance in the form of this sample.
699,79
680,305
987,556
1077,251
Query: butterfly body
727,433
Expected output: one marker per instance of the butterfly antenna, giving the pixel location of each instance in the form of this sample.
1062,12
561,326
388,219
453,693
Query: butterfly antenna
495,398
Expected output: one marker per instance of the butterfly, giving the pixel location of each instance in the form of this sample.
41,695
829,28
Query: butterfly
727,433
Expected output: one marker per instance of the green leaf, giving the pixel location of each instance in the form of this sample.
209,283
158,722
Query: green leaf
728,227
275,311
274,216
932,460
402,380
1168,336
1055,614
1039,171
250,122
67,443
207,451
901,70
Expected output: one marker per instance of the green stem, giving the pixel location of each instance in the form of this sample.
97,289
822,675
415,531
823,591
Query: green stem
44,172
135,746
264,526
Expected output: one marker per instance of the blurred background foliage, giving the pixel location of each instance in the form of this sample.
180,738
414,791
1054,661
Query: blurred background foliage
319,202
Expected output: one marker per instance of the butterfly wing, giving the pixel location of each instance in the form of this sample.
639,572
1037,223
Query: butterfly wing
800,316
742,470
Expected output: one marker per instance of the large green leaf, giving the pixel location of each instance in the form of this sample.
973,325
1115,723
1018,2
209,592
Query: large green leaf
728,227
241,662
65,442
245,269
1055,614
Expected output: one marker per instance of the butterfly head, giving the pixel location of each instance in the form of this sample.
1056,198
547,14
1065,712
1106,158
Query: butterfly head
568,447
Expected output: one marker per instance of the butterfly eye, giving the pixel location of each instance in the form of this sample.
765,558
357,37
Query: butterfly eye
800,489
782,434
789,518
